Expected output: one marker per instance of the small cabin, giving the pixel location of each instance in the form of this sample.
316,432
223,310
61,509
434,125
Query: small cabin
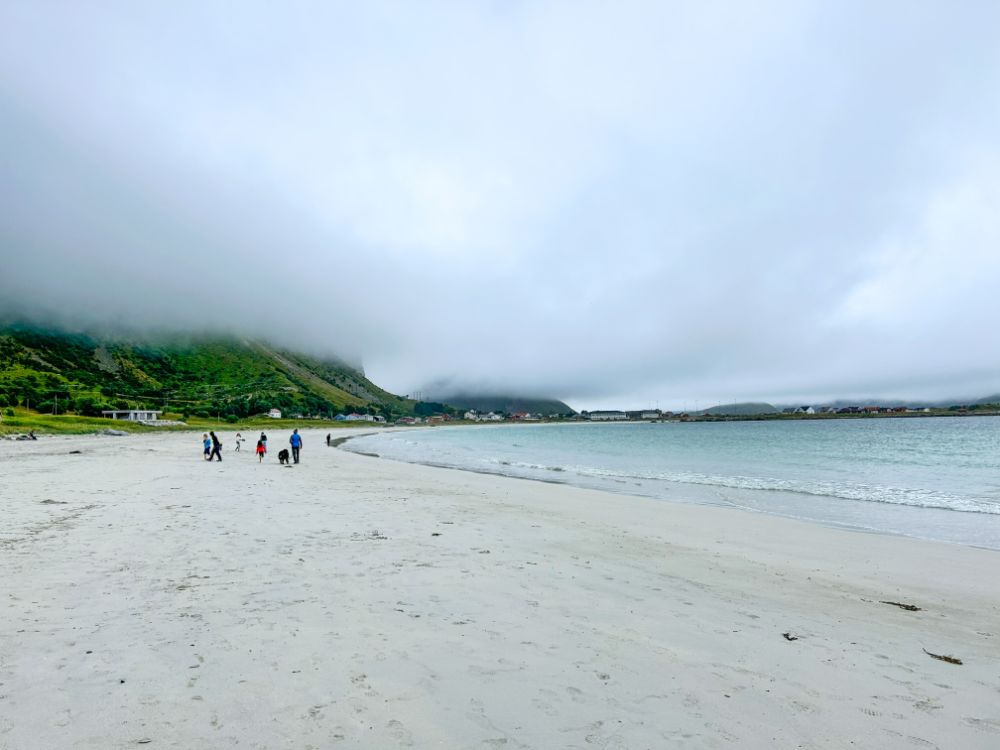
133,415
274,414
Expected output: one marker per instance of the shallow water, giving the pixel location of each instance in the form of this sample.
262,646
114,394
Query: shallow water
936,478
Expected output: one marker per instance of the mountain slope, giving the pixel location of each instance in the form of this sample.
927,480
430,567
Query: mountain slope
506,404
748,408
206,375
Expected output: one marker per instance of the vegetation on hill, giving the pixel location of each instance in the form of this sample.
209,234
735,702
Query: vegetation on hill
57,372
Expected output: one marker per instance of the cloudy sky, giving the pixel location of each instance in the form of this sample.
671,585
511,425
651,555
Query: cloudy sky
619,204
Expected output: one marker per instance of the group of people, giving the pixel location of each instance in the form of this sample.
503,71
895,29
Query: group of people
213,446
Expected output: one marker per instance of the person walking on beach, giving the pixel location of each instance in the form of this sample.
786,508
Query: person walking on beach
216,447
328,440
206,443
263,439
296,442
239,439
261,450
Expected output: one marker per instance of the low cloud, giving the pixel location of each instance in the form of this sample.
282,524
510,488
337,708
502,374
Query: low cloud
613,206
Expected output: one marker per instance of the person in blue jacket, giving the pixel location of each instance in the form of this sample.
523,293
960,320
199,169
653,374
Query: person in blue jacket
296,442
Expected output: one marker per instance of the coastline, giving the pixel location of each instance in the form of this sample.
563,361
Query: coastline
926,522
377,604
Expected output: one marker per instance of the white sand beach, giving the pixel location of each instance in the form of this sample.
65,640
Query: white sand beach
152,600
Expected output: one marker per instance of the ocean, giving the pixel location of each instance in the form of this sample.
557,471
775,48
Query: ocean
932,478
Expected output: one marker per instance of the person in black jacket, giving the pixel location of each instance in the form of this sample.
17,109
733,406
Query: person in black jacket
216,447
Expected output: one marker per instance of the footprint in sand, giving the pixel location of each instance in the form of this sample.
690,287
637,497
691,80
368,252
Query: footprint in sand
400,733
986,725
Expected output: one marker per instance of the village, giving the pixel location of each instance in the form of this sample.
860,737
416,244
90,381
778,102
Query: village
152,417
655,415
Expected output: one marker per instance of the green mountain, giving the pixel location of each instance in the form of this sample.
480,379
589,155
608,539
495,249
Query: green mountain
201,375
507,404
742,409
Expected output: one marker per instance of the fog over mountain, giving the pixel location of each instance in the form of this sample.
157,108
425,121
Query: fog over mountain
612,204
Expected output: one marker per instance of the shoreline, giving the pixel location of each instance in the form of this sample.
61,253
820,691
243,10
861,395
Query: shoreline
689,496
154,598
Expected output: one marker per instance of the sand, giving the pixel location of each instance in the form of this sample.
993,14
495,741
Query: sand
151,599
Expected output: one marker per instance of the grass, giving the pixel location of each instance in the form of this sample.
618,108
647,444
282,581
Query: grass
63,424
25,421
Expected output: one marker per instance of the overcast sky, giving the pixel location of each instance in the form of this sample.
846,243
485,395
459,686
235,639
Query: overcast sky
618,204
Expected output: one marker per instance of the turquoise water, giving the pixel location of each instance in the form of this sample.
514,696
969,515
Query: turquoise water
936,478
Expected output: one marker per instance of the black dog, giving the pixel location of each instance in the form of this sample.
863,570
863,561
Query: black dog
283,456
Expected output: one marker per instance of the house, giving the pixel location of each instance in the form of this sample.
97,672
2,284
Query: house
644,414
274,414
491,417
805,410
524,416
606,416
471,415
355,417
133,415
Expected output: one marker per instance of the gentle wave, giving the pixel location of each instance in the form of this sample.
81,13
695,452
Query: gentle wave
408,449
917,498
893,476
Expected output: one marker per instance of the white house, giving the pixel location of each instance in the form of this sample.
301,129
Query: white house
491,417
471,415
606,416
274,414
133,415
354,417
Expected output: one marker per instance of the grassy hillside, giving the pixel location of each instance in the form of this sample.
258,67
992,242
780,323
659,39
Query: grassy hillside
51,371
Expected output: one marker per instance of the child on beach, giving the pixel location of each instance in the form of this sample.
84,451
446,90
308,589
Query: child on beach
239,439
207,445
261,450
